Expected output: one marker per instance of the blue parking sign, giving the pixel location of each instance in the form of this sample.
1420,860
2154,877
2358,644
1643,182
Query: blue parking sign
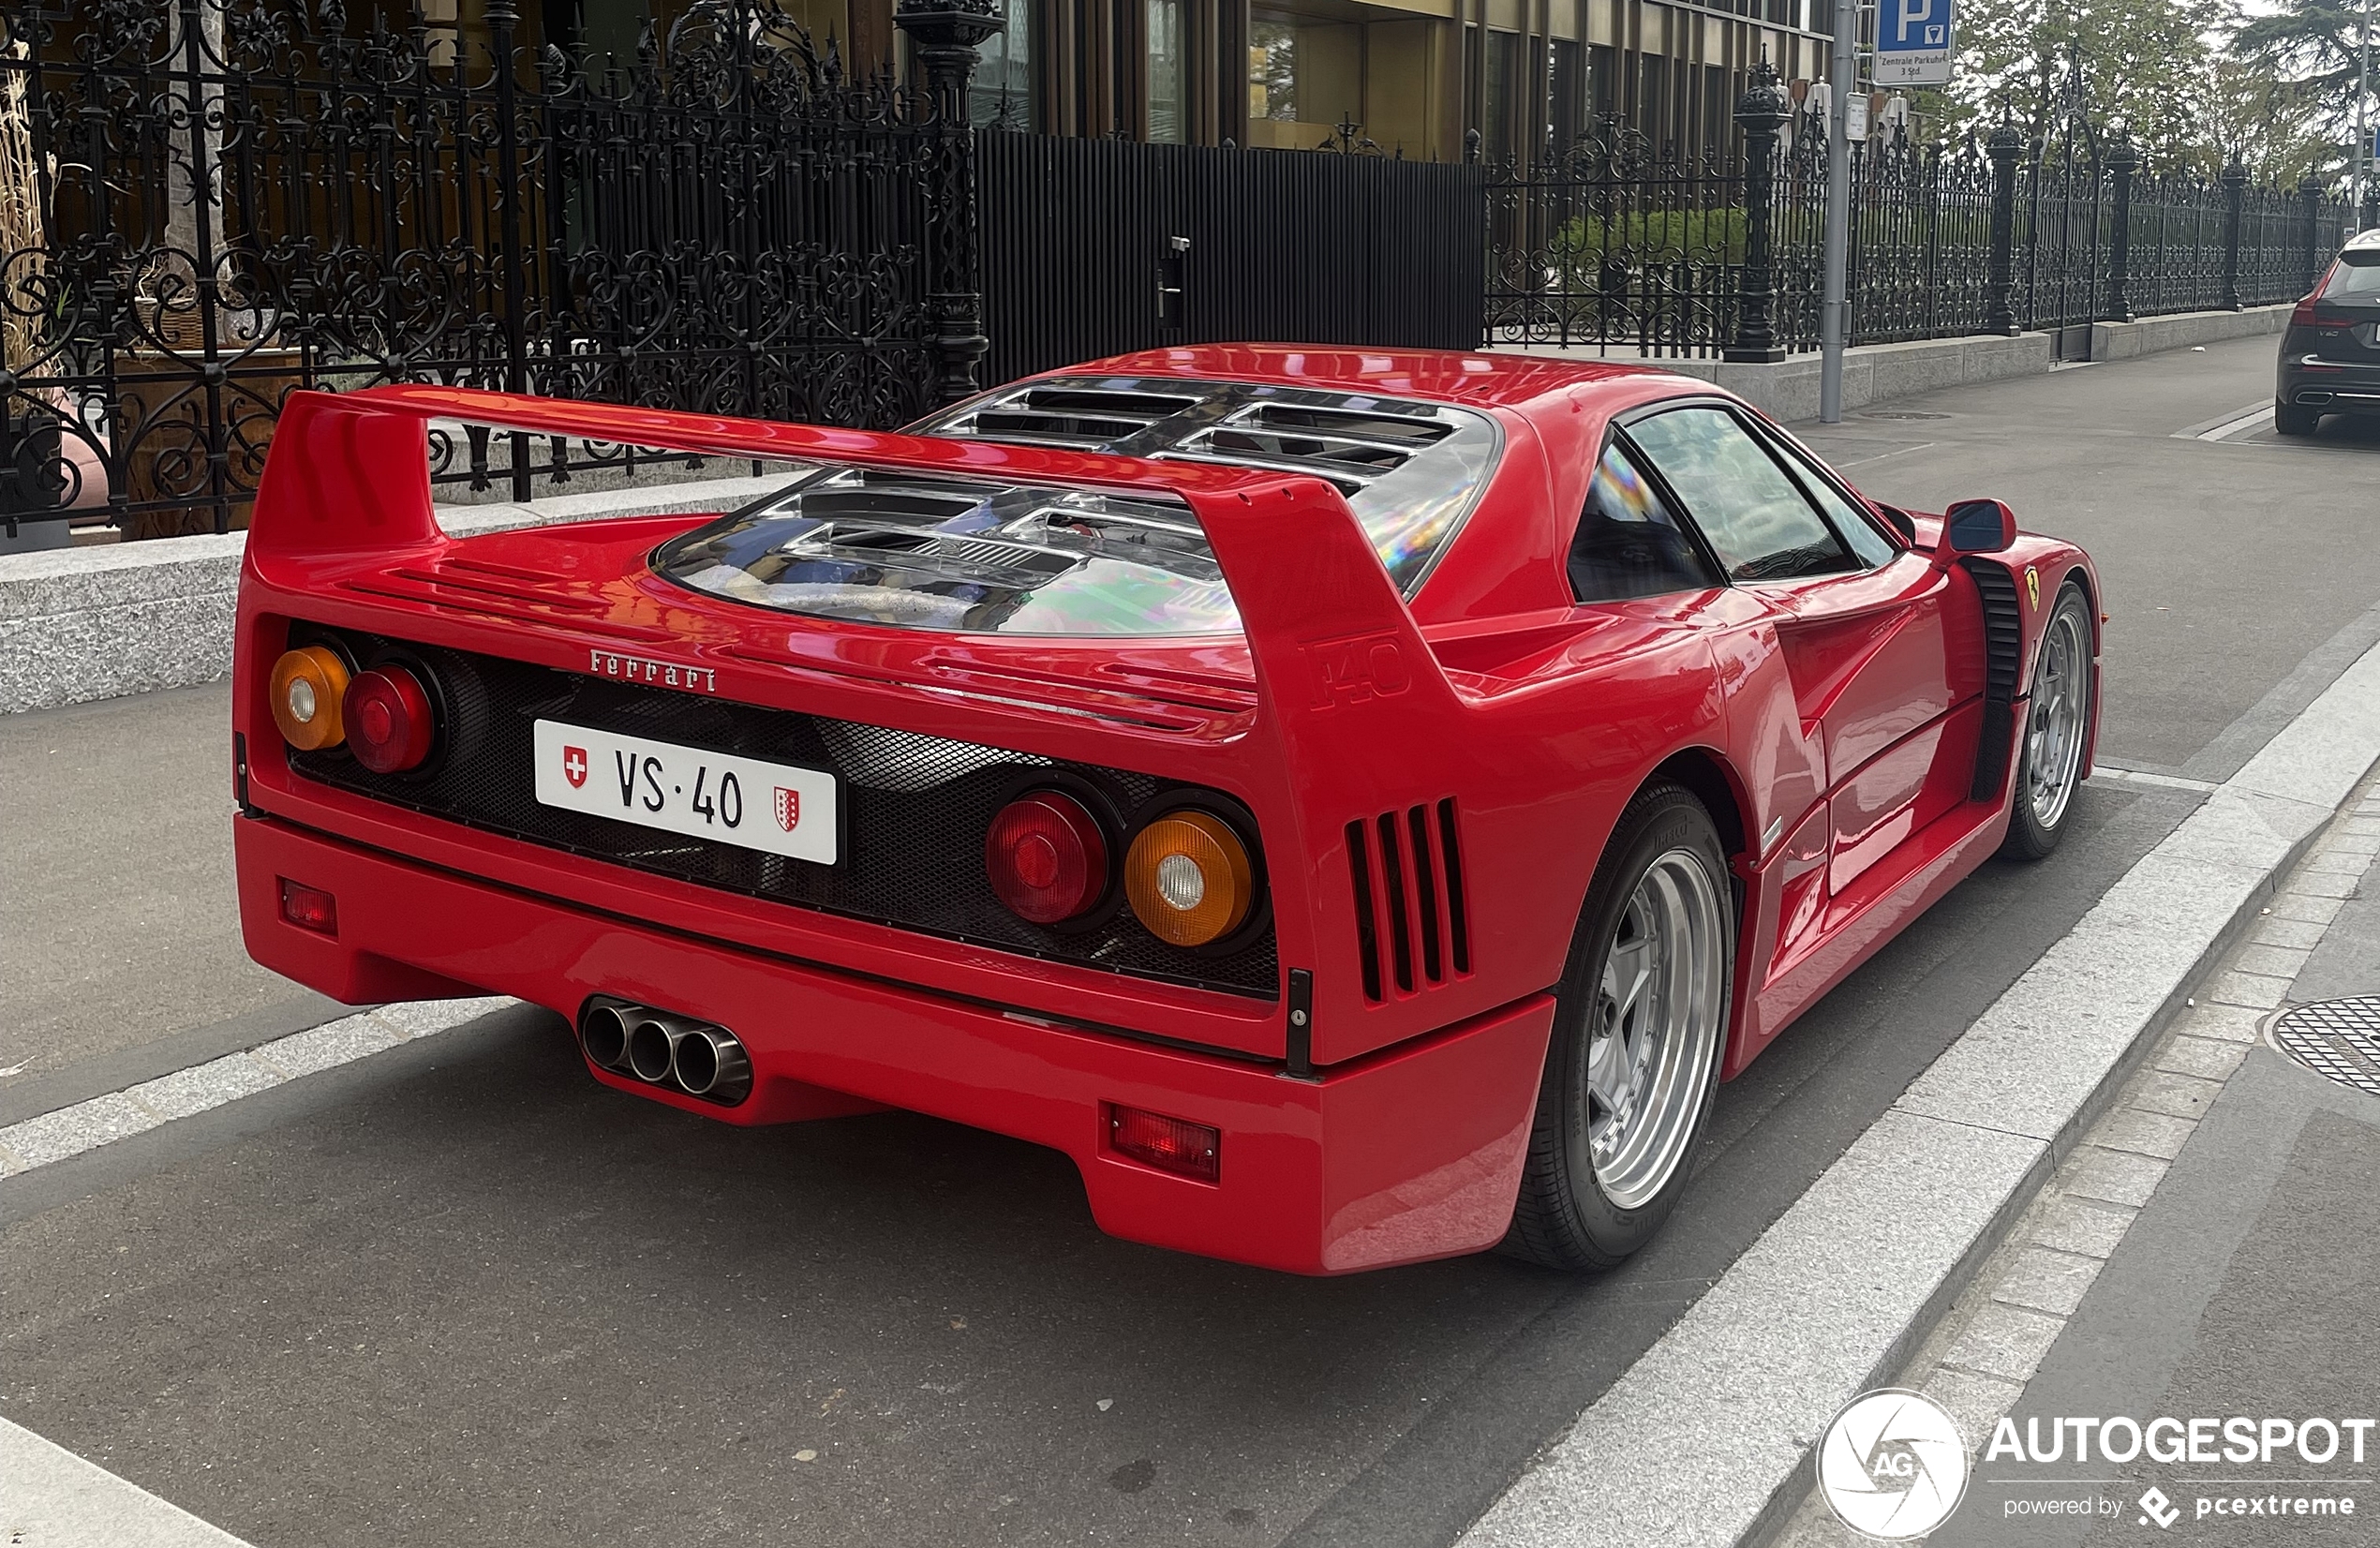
1913,42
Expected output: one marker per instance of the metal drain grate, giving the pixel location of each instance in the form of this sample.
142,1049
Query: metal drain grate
2337,1039
1902,413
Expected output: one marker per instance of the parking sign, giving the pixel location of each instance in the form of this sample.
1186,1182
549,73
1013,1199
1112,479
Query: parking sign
1913,39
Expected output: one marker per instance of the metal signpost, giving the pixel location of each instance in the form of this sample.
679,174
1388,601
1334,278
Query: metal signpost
1914,40
1832,322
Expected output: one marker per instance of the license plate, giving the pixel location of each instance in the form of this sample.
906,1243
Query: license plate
777,808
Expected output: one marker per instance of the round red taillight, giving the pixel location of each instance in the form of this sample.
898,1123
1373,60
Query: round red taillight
1047,858
389,721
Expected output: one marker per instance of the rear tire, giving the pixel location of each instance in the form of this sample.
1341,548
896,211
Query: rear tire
2057,725
2292,419
1639,1019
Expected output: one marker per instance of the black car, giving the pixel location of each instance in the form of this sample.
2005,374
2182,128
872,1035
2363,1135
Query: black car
2330,354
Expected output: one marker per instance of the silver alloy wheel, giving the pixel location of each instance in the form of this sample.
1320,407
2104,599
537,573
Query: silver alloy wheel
1655,1028
2060,711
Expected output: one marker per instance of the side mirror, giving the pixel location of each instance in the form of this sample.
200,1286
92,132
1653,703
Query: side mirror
1976,526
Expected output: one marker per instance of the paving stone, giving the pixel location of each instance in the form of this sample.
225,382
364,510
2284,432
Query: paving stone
327,1046
2328,860
2176,1096
2249,988
2005,1342
203,1086
2273,931
2361,826
71,1131
2232,1023
1975,1402
2045,1281
2322,883
2076,1226
2314,911
2149,1133
2208,1058
2276,961
2353,843
2118,1177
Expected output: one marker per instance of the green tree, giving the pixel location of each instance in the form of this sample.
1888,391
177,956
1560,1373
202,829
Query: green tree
2308,50
2146,68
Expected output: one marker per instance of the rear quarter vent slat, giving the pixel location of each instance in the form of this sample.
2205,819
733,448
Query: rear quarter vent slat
1406,870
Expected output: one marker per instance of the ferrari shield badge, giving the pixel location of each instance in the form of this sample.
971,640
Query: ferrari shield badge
2033,586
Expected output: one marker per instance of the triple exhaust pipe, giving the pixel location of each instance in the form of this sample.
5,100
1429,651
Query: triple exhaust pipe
663,1049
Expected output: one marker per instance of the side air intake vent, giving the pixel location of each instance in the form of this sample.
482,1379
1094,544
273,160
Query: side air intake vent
2004,654
1407,873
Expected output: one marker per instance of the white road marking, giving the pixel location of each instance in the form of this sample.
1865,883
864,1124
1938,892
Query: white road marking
2238,421
52,1498
2141,775
1708,1434
70,1131
1898,451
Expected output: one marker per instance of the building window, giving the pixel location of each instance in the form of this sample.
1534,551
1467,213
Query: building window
1166,92
1568,92
1497,112
1272,71
1001,91
1603,80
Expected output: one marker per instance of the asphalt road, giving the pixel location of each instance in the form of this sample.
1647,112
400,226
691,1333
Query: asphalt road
457,1293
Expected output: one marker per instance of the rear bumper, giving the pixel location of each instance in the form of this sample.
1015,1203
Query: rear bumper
2341,386
1411,1155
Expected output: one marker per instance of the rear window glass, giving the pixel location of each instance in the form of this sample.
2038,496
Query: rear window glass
2354,277
917,551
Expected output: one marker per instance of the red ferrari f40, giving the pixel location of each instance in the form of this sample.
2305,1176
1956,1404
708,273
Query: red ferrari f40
1356,804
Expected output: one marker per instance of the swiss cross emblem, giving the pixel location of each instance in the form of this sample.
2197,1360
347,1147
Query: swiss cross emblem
574,766
788,809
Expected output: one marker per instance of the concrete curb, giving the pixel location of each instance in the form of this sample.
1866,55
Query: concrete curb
1705,1440
80,624
1880,373
48,1494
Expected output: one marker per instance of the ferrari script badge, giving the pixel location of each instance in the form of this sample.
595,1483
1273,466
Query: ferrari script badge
604,663
2033,586
788,809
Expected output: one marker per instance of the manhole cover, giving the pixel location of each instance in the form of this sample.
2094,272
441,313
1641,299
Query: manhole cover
1904,414
2337,1039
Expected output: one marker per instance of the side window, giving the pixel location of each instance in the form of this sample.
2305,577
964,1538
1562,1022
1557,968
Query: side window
1855,526
1628,543
1752,514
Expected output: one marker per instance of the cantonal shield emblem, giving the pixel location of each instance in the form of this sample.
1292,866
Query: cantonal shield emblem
788,809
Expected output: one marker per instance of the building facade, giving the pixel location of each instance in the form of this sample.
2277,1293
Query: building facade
1415,77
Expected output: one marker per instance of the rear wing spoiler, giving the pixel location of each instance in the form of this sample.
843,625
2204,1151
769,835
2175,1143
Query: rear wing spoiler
1357,724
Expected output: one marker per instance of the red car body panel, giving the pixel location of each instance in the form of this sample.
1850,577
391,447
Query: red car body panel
1832,725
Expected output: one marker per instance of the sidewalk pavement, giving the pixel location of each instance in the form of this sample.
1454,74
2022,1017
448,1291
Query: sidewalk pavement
2211,1250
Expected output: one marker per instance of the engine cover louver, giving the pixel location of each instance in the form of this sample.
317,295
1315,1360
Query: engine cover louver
1406,869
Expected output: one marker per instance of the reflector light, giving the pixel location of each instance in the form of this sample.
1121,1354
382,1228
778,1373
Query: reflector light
307,690
390,725
309,907
1169,1144
1189,879
1046,858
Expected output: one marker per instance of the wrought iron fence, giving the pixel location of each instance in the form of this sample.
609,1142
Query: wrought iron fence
240,197
1618,243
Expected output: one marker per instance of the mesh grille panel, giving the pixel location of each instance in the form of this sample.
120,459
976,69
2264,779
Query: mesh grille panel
915,809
